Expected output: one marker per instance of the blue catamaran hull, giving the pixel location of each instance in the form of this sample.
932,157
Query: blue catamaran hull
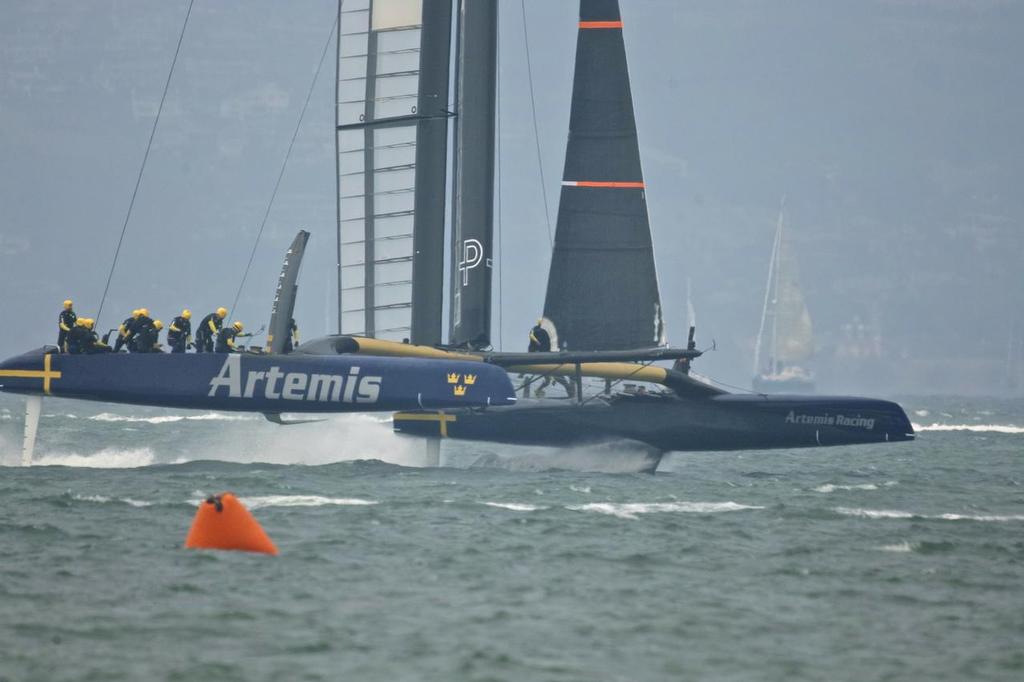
259,383
670,423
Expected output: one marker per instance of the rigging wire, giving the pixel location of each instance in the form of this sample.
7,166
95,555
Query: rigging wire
284,165
536,131
501,251
145,157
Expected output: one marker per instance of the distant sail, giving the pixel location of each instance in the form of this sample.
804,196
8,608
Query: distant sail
602,287
786,335
794,333
392,119
283,310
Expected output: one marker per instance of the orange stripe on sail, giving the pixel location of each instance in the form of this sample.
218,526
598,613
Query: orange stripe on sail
601,24
595,183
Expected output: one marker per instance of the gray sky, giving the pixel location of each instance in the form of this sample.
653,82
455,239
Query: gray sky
892,127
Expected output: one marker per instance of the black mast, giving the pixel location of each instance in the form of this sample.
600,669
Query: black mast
602,288
473,164
431,153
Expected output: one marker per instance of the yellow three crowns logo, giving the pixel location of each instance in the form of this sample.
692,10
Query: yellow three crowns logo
461,382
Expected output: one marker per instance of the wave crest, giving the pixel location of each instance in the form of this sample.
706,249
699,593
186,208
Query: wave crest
630,510
899,514
259,502
515,506
108,458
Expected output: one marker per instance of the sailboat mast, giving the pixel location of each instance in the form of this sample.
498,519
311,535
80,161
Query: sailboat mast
431,152
337,157
770,296
473,167
773,358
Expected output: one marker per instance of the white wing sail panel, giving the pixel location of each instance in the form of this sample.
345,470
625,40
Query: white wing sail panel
381,124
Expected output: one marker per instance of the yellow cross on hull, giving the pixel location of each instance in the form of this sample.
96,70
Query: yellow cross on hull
47,373
441,418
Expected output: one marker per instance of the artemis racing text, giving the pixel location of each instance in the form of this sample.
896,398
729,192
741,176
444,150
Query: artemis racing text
275,384
865,423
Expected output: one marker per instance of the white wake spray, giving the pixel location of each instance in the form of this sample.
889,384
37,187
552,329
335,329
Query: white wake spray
976,428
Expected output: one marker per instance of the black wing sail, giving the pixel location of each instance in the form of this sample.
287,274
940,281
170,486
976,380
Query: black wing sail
392,123
473,168
602,288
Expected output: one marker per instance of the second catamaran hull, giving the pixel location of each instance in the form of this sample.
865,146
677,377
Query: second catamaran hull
726,422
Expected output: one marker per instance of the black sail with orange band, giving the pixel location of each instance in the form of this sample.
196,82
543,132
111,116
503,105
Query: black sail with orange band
602,288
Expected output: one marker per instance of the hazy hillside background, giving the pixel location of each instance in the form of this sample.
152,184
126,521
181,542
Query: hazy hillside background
893,128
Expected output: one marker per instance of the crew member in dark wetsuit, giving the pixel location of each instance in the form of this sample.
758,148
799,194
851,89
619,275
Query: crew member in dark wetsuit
226,338
179,334
540,342
209,328
292,341
92,344
76,337
147,338
126,331
143,326
65,323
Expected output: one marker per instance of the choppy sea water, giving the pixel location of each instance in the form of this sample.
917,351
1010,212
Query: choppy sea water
901,561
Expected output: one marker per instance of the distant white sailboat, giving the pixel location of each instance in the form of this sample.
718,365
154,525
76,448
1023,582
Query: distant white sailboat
785,340
1014,365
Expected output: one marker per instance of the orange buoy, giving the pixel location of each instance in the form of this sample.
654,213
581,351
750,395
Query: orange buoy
222,522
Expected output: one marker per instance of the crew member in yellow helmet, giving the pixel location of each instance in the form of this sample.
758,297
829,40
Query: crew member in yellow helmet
179,334
65,323
147,338
208,329
125,331
74,343
226,338
92,344
143,326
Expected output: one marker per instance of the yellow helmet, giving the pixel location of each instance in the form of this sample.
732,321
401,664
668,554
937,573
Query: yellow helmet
238,326
222,312
80,322
89,322
68,304
136,312
158,324
187,314
144,311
